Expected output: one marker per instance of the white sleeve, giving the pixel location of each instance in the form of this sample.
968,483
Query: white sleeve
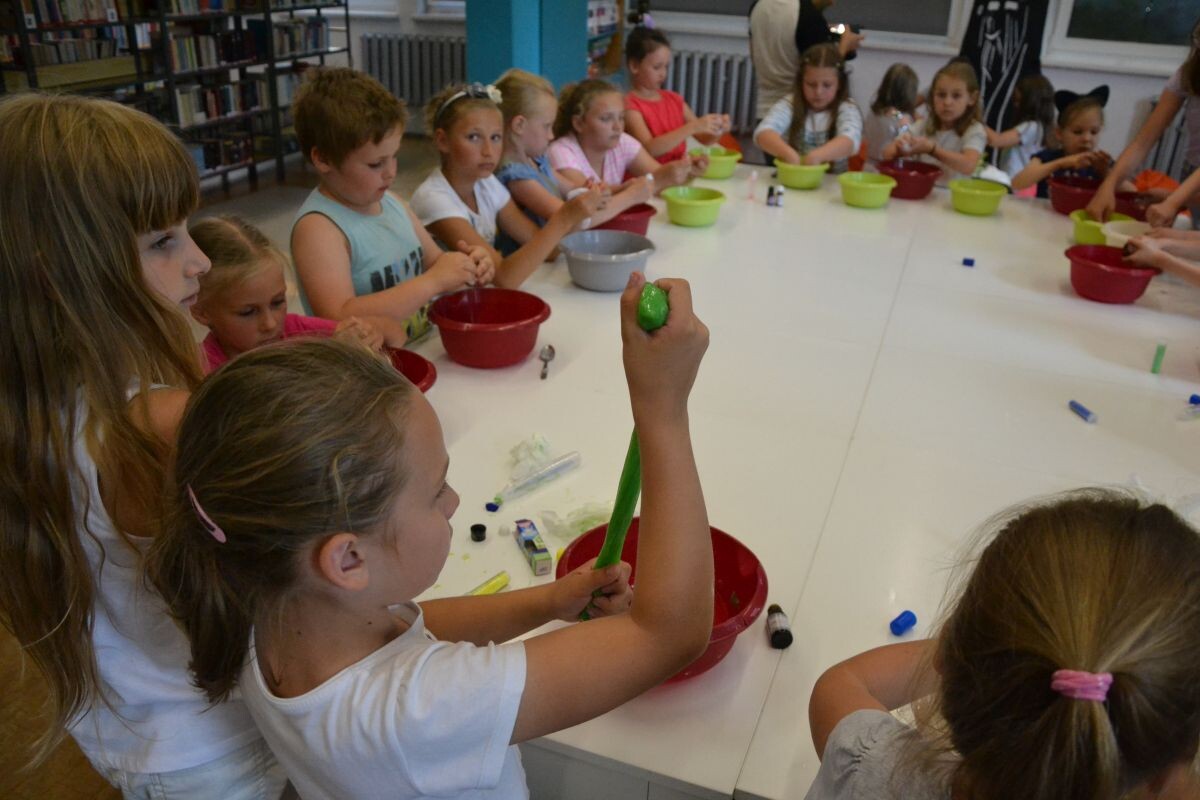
433,200
495,195
850,123
778,119
975,138
1030,132
456,708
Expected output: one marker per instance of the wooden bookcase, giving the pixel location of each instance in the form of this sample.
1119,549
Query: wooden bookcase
220,73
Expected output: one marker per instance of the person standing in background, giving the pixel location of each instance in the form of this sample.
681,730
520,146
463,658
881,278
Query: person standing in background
780,30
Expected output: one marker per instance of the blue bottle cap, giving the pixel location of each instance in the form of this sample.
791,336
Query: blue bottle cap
968,262
1194,400
491,506
903,623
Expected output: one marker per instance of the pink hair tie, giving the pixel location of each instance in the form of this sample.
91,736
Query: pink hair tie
206,520
1082,685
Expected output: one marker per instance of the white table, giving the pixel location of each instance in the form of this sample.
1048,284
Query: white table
865,403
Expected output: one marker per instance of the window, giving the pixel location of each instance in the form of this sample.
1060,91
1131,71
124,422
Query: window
924,17
1149,37
443,8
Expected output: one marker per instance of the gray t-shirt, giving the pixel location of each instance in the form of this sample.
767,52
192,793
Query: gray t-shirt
860,762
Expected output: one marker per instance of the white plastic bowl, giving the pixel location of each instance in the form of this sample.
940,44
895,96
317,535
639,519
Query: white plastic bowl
602,260
1117,233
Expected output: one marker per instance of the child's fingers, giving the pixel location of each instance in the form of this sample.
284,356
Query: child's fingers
629,304
679,297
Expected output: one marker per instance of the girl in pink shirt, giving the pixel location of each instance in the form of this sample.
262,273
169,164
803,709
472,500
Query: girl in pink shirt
658,118
591,142
243,299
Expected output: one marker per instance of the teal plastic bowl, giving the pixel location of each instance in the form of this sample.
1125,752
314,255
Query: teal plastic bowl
976,197
866,189
693,206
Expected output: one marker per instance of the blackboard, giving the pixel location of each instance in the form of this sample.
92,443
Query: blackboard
901,16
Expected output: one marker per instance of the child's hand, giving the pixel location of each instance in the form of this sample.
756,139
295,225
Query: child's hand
453,271
353,330
699,165
710,125
582,207
810,160
673,173
573,592
661,366
485,269
1161,215
1144,251
641,189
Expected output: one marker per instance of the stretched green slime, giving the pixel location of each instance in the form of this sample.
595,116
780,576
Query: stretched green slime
652,314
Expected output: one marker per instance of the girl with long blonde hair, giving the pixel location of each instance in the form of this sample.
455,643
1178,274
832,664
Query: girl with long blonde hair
96,266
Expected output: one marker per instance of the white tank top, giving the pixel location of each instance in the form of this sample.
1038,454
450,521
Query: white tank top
142,655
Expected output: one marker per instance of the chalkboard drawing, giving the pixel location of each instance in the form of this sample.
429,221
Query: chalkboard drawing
1004,43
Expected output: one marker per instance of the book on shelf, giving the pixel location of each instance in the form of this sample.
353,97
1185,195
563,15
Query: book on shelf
290,36
199,104
194,51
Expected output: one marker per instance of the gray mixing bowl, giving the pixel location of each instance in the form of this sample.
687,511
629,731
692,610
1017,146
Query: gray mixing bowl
601,260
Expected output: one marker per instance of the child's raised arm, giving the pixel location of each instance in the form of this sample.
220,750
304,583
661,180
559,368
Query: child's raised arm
1162,214
1104,202
706,129
582,671
882,679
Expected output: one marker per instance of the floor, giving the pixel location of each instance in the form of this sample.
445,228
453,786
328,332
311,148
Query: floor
68,775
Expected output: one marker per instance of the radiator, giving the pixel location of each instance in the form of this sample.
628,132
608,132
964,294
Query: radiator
415,68
716,83
1168,155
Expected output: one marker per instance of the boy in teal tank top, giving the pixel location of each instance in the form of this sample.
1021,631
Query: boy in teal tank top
358,249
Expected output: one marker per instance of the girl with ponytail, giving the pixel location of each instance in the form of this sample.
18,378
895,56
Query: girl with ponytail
96,268
1067,669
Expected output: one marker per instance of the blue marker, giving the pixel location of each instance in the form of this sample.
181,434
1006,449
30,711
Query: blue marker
1081,410
903,623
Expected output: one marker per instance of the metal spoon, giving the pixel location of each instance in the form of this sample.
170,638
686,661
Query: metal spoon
546,356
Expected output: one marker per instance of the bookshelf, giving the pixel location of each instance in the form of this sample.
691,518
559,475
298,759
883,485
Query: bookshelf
220,73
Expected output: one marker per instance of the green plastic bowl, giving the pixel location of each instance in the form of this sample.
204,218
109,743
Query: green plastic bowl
973,196
692,206
800,176
721,162
1091,231
866,189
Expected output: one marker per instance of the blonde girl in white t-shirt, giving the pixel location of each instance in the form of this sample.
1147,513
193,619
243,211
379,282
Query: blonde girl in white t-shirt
953,136
96,269
311,505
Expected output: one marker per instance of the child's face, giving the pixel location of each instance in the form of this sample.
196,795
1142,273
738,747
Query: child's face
820,86
364,176
172,264
951,99
1082,131
601,126
420,517
474,143
538,129
249,314
651,71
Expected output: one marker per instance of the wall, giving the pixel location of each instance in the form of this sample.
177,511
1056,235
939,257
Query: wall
1128,105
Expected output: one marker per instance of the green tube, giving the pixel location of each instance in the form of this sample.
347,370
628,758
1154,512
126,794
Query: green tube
652,314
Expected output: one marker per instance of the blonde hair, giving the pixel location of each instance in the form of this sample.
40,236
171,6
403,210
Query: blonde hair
520,91
80,180
575,100
273,459
441,116
237,250
961,71
337,110
1094,580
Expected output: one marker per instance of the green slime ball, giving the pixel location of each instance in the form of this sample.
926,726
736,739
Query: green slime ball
652,308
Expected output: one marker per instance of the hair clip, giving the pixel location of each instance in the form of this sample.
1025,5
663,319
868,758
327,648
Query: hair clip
1079,685
1065,97
474,90
205,520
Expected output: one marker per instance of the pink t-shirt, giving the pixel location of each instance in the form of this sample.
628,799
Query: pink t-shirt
662,116
293,325
565,153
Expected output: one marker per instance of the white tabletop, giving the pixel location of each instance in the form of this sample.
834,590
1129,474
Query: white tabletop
865,403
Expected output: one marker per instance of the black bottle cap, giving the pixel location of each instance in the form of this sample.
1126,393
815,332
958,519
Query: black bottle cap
478,532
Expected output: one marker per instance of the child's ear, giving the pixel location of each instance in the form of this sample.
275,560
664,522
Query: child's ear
577,123
440,140
339,560
323,165
518,124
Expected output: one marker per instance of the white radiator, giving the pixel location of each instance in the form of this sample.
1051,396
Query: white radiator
716,83
1168,154
415,68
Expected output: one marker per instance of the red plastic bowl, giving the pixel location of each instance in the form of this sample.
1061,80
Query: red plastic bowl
1134,204
635,219
489,328
418,369
739,597
1100,273
1072,194
914,179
